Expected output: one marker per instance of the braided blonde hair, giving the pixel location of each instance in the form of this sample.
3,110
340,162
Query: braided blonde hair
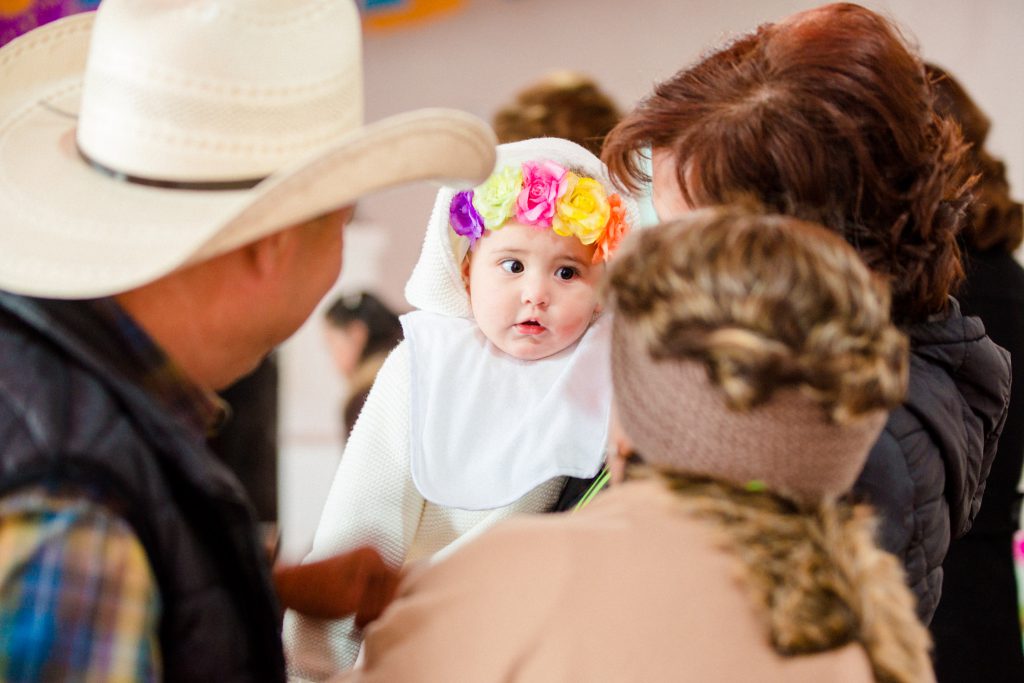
764,302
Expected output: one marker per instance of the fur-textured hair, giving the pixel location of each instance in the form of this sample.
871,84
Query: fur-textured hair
816,576
563,104
764,301
826,116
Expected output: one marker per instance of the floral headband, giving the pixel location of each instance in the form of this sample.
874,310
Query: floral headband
545,195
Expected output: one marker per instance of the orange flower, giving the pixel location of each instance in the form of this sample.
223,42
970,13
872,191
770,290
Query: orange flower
614,231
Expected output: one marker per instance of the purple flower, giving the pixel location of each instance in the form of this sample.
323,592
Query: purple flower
465,219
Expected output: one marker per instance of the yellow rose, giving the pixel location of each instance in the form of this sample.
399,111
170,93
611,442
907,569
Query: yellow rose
493,199
582,211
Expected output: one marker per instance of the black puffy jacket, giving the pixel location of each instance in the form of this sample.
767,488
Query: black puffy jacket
926,475
70,417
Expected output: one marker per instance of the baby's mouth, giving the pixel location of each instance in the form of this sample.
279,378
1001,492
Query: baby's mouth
529,327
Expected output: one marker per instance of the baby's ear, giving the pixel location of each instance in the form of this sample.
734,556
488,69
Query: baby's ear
465,271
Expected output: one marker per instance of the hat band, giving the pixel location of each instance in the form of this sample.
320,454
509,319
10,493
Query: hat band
212,185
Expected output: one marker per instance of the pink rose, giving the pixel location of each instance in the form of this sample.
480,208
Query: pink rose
543,183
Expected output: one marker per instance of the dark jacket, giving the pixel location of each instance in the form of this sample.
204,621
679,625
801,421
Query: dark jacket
926,475
994,292
977,629
71,419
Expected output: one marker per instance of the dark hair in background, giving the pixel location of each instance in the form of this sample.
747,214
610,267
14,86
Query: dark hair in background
563,104
995,220
827,117
384,331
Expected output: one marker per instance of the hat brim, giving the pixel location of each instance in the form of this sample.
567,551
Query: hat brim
70,231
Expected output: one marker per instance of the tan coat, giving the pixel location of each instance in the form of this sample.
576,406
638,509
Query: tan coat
628,589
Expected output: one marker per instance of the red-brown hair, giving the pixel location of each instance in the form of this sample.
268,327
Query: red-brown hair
995,220
826,116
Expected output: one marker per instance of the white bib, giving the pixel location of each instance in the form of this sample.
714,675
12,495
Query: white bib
487,428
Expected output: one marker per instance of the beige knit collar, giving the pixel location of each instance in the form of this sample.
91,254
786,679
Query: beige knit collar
677,420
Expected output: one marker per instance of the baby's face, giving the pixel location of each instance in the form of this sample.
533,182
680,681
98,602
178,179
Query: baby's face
533,292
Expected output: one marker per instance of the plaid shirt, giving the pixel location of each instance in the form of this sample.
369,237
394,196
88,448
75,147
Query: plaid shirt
78,598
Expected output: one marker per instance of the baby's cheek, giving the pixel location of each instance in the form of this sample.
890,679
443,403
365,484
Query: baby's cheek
578,324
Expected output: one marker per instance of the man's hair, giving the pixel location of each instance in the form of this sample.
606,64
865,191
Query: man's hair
383,328
995,220
826,116
563,104
764,302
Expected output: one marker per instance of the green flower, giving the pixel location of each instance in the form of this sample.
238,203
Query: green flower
494,199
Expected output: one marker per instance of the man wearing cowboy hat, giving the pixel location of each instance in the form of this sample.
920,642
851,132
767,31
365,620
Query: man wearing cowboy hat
175,181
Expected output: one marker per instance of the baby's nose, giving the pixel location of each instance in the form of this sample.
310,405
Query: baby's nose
535,292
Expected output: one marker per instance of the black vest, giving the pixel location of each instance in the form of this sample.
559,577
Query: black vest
69,417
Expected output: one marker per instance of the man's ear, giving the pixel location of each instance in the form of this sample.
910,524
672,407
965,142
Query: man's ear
266,254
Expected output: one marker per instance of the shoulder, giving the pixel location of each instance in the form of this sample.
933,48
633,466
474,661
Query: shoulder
550,553
396,365
78,528
48,399
516,552
35,386
99,592
547,597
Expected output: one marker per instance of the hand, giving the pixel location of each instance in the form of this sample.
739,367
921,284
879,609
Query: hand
357,582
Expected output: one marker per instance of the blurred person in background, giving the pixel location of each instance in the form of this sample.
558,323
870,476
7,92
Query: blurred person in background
360,330
977,628
562,104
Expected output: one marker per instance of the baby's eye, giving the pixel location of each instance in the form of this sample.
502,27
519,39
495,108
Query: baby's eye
566,273
512,265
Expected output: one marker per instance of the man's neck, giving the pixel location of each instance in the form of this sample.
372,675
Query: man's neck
191,327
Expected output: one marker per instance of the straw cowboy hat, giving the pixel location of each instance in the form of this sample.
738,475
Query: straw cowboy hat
152,135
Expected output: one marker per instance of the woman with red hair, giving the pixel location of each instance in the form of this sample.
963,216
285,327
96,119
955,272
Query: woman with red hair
828,116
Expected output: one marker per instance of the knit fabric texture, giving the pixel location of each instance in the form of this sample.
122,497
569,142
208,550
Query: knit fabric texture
678,420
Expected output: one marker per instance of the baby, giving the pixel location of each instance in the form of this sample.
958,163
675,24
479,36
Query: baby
500,392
